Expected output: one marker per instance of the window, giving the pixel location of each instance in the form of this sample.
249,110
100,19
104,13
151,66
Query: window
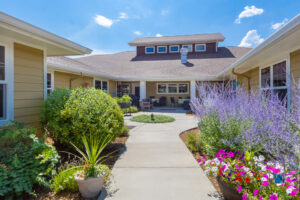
101,85
174,48
200,47
2,84
49,83
183,88
161,88
188,46
172,88
274,79
149,50
161,49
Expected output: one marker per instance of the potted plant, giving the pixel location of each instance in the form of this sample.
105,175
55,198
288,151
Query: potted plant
90,180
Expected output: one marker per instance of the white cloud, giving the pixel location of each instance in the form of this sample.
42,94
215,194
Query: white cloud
103,21
158,35
249,11
123,15
251,39
137,33
279,24
164,12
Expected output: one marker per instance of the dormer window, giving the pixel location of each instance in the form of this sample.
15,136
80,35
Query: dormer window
174,48
150,50
162,49
200,47
189,47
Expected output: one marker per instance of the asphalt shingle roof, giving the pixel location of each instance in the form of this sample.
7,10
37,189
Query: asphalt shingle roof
126,65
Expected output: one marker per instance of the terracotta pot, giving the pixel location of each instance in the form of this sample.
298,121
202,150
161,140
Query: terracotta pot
229,193
91,187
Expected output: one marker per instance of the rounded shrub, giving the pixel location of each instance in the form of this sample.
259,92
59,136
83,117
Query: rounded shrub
68,115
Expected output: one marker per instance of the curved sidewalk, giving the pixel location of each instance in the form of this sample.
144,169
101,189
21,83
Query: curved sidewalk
156,165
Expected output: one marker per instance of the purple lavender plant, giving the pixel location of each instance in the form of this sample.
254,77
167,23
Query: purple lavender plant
265,124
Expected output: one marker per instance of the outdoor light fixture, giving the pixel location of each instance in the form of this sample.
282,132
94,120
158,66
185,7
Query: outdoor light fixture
184,52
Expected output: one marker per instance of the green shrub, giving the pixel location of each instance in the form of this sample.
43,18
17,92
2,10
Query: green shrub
79,112
132,109
124,99
194,143
156,119
24,161
214,133
64,180
125,131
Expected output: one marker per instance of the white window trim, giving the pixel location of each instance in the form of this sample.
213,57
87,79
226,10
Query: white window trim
200,50
101,84
167,88
9,80
150,52
288,77
190,47
164,51
173,46
52,81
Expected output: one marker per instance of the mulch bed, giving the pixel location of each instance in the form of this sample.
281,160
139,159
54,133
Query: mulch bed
198,155
116,146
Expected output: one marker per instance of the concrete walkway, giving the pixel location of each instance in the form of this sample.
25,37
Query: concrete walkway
156,165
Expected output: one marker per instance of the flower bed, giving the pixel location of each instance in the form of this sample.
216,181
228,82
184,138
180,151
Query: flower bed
252,177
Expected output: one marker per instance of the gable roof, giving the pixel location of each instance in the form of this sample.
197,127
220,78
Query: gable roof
180,39
23,31
128,66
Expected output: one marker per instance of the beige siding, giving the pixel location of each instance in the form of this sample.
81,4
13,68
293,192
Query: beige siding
28,84
112,88
67,80
151,90
295,65
254,79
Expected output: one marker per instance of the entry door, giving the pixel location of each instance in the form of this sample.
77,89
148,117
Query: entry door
137,92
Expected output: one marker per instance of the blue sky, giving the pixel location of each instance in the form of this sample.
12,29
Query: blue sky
107,26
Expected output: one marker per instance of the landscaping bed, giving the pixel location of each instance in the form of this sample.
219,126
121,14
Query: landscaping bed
116,146
154,119
198,155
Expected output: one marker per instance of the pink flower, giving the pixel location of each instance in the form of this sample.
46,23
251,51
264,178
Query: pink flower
265,183
293,172
204,156
294,193
239,189
199,161
273,197
260,198
255,192
276,171
289,180
244,197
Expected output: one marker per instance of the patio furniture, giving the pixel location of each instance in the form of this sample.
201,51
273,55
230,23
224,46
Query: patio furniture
163,101
134,101
186,105
145,104
181,101
173,103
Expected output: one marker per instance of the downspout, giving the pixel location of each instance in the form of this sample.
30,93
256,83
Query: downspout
72,79
247,77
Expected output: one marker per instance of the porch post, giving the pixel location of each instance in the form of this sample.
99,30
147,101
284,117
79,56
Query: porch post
193,89
142,89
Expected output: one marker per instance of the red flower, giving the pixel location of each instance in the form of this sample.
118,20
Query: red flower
238,174
247,180
239,179
258,178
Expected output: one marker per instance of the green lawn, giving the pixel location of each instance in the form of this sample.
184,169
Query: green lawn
157,119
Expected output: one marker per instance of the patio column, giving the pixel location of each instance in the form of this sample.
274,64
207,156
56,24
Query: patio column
142,89
193,89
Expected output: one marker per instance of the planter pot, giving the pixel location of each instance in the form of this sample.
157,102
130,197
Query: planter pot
91,187
229,193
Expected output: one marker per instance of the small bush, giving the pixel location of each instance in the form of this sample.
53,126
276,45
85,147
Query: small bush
64,180
24,161
194,143
80,112
156,119
125,131
132,109
124,99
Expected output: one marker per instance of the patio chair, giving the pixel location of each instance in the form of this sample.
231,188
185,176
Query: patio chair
186,105
145,104
173,102
163,101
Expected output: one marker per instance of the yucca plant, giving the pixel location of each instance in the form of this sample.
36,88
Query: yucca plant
91,155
